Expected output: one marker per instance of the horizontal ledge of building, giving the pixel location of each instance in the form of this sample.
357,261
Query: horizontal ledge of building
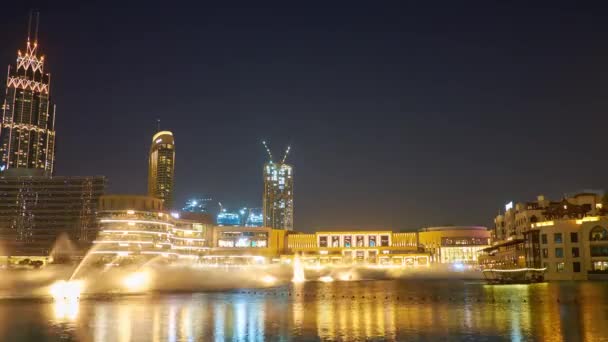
353,248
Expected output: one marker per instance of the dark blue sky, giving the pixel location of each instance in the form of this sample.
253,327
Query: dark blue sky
399,116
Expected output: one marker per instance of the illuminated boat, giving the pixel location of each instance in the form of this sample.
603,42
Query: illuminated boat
515,275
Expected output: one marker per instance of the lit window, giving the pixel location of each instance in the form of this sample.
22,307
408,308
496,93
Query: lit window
560,266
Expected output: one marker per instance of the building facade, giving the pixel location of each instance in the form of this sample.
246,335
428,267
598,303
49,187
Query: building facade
383,248
36,211
278,196
570,249
27,129
136,227
161,168
454,244
565,237
518,218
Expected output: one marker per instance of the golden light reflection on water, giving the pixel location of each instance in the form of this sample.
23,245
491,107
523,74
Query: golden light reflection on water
66,310
389,310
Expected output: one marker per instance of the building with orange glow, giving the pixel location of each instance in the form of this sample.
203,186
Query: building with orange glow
570,249
161,168
137,227
357,247
454,244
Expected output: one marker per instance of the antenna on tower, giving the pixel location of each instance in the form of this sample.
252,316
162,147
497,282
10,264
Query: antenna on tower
29,26
267,150
286,153
36,31
157,125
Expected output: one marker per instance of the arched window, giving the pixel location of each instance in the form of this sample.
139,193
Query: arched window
598,234
533,219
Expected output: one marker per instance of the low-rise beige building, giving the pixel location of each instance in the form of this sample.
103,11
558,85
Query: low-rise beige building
570,249
368,247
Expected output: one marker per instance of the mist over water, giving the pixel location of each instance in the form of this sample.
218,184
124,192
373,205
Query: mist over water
194,277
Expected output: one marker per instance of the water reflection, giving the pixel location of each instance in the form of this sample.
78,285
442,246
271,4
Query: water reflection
393,310
66,310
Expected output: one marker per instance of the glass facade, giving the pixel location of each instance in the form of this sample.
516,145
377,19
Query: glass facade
36,211
226,218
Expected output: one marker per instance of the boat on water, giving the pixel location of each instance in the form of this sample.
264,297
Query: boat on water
514,276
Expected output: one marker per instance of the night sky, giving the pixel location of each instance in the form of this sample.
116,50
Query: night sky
399,116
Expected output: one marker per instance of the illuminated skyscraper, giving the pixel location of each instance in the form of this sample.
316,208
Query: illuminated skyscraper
278,193
161,169
27,130
255,218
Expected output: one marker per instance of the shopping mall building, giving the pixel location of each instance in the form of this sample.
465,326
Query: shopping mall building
137,227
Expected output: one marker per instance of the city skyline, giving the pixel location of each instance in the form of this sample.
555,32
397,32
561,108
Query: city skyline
383,148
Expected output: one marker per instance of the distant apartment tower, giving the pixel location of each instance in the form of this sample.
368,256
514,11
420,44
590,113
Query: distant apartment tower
27,130
278,193
161,169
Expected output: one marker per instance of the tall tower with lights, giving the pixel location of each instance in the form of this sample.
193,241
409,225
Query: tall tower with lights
278,193
161,168
27,130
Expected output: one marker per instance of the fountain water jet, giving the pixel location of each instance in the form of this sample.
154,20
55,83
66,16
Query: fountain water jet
298,270
83,261
63,249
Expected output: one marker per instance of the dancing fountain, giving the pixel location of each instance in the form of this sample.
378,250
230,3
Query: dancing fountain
298,270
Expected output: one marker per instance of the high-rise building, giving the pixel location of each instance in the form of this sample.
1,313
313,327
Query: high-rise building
36,210
255,218
27,130
161,169
197,205
278,193
228,218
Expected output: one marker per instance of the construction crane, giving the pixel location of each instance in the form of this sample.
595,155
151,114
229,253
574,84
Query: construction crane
267,150
270,153
286,153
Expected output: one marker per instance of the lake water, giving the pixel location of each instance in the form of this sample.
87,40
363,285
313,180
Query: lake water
348,311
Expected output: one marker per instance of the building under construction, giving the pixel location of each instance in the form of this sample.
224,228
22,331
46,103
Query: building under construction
278,192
